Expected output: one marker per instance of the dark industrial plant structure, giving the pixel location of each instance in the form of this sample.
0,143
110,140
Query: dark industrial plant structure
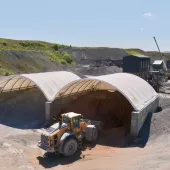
136,64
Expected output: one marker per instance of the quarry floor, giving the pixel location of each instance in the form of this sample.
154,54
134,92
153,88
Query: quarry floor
150,151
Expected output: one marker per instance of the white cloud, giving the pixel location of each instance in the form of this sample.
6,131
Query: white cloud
141,29
148,14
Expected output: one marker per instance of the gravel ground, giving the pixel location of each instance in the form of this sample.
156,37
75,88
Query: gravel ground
18,149
97,71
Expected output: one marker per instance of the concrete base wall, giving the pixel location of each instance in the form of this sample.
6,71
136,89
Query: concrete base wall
138,118
48,106
56,107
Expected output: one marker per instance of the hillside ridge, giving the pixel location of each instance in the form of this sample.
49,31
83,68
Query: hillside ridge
27,56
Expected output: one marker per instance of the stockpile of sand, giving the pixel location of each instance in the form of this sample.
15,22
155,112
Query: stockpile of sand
23,109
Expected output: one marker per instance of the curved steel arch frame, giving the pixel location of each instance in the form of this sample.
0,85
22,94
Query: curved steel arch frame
19,77
92,79
48,89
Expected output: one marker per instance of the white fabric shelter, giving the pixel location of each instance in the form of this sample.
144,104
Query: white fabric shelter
61,83
49,83
136,90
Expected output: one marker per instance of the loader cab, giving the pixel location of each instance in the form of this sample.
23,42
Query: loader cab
72,119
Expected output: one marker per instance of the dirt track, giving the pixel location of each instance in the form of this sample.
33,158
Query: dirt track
18,149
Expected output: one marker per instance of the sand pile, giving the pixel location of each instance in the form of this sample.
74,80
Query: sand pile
23,109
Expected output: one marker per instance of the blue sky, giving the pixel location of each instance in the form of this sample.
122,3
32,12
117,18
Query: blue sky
111,23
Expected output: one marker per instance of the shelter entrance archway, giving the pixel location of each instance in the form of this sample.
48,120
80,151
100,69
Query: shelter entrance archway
26,95
98,100
112,108
127,95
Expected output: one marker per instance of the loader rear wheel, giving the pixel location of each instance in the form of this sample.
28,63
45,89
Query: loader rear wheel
70,147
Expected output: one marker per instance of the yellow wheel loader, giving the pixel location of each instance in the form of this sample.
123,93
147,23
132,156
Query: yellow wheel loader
66,136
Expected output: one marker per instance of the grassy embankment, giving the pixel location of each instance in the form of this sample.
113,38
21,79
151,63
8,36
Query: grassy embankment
52,50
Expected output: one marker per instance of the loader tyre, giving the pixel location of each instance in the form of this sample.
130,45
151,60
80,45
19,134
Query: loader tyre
70,147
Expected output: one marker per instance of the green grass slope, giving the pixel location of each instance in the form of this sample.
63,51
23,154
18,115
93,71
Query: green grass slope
32,56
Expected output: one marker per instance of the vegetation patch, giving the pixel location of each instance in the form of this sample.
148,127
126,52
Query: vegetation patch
57,47
8,44
133,52
63,58
33,45
5,72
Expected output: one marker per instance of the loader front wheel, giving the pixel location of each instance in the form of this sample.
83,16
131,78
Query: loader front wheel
70,147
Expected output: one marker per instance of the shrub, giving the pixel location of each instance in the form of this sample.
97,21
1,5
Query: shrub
68,58
56,47
57,56
32,45
61,46
5,72
4,43
63,62
64,58
54,57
